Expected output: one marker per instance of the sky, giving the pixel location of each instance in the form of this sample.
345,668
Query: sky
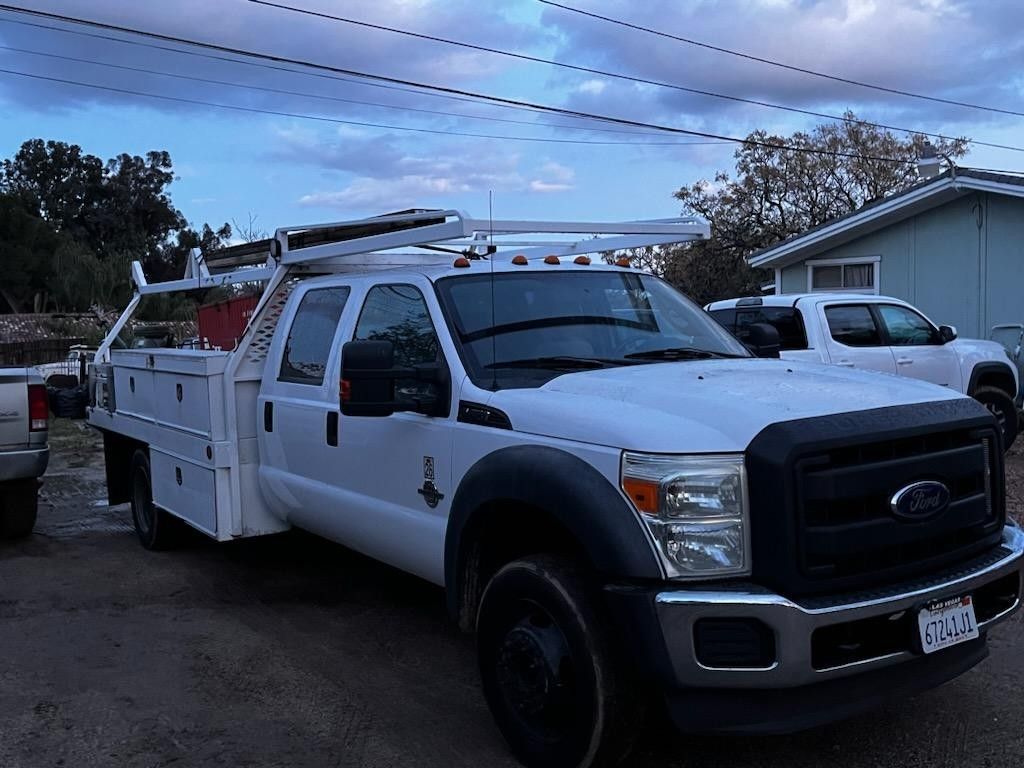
343,147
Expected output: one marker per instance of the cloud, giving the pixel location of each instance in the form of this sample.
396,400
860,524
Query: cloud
592,86
948,48
243,25
553,177
379,173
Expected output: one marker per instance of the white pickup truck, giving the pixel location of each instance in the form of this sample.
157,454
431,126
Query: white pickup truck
24,448
619,499
881,333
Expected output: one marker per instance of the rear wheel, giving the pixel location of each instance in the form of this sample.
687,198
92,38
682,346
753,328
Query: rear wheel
156,528
19,502
1004,410
554,684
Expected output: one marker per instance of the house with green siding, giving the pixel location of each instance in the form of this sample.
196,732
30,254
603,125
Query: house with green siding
952,245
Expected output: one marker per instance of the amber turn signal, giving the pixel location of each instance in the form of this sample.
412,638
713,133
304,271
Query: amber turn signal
643,494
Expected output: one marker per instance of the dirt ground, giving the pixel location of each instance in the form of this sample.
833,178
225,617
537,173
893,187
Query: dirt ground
291,651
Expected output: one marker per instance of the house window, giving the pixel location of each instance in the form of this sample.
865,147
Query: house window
849,275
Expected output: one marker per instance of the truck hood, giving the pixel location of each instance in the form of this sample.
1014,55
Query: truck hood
701,406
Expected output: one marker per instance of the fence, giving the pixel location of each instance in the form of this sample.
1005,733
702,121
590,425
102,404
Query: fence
20,353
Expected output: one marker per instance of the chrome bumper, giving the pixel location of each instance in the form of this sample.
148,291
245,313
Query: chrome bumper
794,623
23,465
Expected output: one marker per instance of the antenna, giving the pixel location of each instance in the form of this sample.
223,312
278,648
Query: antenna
494,323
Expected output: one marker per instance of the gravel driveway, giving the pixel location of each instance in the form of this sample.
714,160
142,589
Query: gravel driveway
290,651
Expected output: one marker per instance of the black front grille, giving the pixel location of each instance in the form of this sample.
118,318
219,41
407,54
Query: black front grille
821,488
846,526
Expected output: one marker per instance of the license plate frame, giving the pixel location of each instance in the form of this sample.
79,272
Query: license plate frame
947,622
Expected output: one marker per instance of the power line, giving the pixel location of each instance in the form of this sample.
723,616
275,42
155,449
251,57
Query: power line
360,123
265,65
782,65
337,73
617,75
285,92
451,90
305,74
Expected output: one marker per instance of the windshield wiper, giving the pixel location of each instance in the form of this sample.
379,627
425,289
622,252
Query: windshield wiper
560,362
679,353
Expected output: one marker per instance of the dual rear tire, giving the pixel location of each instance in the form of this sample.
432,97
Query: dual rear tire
156,528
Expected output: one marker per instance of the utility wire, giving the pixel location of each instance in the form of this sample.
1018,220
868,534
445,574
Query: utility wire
265,65
360,123
444,89
782,65
337,73
618,75
285,92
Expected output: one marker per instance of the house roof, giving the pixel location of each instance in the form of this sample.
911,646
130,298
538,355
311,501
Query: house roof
881,213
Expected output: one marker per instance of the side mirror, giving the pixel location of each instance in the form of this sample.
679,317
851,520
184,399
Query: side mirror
763,340
368,382
947,333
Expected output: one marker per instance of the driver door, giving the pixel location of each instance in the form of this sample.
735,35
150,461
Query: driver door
917,347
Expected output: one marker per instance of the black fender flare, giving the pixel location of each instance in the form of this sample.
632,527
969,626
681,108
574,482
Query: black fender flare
982,369
575,494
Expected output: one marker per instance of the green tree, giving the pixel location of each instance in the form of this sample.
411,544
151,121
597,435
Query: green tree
104,215
782,186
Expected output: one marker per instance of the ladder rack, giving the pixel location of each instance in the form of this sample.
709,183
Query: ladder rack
376,240
391,240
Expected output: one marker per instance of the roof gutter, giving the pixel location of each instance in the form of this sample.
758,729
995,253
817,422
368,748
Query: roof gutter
774,255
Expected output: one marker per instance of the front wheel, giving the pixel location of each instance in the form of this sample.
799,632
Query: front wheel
550,674
1001,406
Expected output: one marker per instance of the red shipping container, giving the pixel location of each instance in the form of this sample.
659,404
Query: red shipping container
221,324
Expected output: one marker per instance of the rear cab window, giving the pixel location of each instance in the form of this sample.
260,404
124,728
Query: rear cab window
786,320
310,337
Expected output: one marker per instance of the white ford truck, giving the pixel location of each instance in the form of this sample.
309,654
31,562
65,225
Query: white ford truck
622,501
24,448
881,333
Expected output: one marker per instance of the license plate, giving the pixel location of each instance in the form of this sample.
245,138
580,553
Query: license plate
947,622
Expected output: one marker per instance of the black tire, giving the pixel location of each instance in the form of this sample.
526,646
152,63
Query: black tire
19,503
559,692
1003,408
156,528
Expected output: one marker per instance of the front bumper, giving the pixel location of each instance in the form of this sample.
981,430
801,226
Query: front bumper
805,680
23,465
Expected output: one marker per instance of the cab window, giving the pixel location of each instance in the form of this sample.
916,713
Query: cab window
399,314
786,320
309,339
853,325
906,328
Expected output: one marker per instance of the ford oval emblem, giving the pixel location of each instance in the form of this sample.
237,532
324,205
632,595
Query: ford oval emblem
920,501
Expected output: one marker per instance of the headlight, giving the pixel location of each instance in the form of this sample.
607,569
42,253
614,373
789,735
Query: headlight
695,508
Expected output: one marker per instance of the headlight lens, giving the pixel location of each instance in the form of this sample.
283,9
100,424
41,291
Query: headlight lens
695,508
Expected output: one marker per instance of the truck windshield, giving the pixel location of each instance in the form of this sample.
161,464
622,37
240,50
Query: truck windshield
546,324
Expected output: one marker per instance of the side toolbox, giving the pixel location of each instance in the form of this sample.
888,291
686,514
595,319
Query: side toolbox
188,490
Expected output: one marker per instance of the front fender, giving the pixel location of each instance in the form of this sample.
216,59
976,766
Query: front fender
564,486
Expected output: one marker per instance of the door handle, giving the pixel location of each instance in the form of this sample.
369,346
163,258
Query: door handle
845,364
903,361
268,416
332,428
